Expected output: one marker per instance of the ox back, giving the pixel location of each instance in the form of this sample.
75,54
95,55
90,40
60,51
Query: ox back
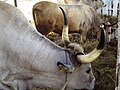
96,4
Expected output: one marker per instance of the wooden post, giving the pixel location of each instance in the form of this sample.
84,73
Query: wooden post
115,7
118,58
15,3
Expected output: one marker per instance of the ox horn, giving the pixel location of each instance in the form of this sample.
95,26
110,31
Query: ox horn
109,25
97,51
65,37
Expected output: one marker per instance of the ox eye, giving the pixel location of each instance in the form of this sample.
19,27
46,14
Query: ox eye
88,71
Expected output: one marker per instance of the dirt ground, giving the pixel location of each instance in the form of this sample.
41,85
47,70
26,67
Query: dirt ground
104,68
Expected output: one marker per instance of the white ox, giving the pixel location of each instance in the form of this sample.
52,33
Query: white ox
29,59
96,4
81,18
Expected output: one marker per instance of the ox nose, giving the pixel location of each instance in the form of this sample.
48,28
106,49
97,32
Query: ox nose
91,78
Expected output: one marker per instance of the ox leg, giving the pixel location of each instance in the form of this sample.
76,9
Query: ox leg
16,85
17,81
3,87
3,74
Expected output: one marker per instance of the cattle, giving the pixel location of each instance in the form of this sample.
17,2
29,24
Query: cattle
28,59
96,4
81,18
112,31
109,32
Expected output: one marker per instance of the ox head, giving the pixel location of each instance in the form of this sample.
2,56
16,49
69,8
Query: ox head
108,28
97,4
84,76
109,31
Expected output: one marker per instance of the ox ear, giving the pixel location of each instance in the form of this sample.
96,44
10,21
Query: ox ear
65,37
65,67
97,51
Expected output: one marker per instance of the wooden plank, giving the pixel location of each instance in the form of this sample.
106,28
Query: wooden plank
105,9
118,57
115,7
111,8
15,3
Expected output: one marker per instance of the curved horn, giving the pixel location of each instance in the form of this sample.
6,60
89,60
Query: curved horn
109,25
65,38
97,51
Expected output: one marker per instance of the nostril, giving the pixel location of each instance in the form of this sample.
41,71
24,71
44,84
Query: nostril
91,79
108,43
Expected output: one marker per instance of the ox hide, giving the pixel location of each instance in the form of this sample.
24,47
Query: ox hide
29,59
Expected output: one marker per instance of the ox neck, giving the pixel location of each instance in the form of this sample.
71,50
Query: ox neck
28,46
40,49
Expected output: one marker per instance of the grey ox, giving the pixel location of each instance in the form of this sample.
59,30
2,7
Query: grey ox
81,19
28,59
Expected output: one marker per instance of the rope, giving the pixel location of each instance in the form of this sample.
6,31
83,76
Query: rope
66,72
66,83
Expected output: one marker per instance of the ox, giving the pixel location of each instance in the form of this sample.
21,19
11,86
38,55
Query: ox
81,18
27,58
96,4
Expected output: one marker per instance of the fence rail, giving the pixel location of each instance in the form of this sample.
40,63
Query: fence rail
112,8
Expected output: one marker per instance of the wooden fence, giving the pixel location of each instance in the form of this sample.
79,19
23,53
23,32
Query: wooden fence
112,8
